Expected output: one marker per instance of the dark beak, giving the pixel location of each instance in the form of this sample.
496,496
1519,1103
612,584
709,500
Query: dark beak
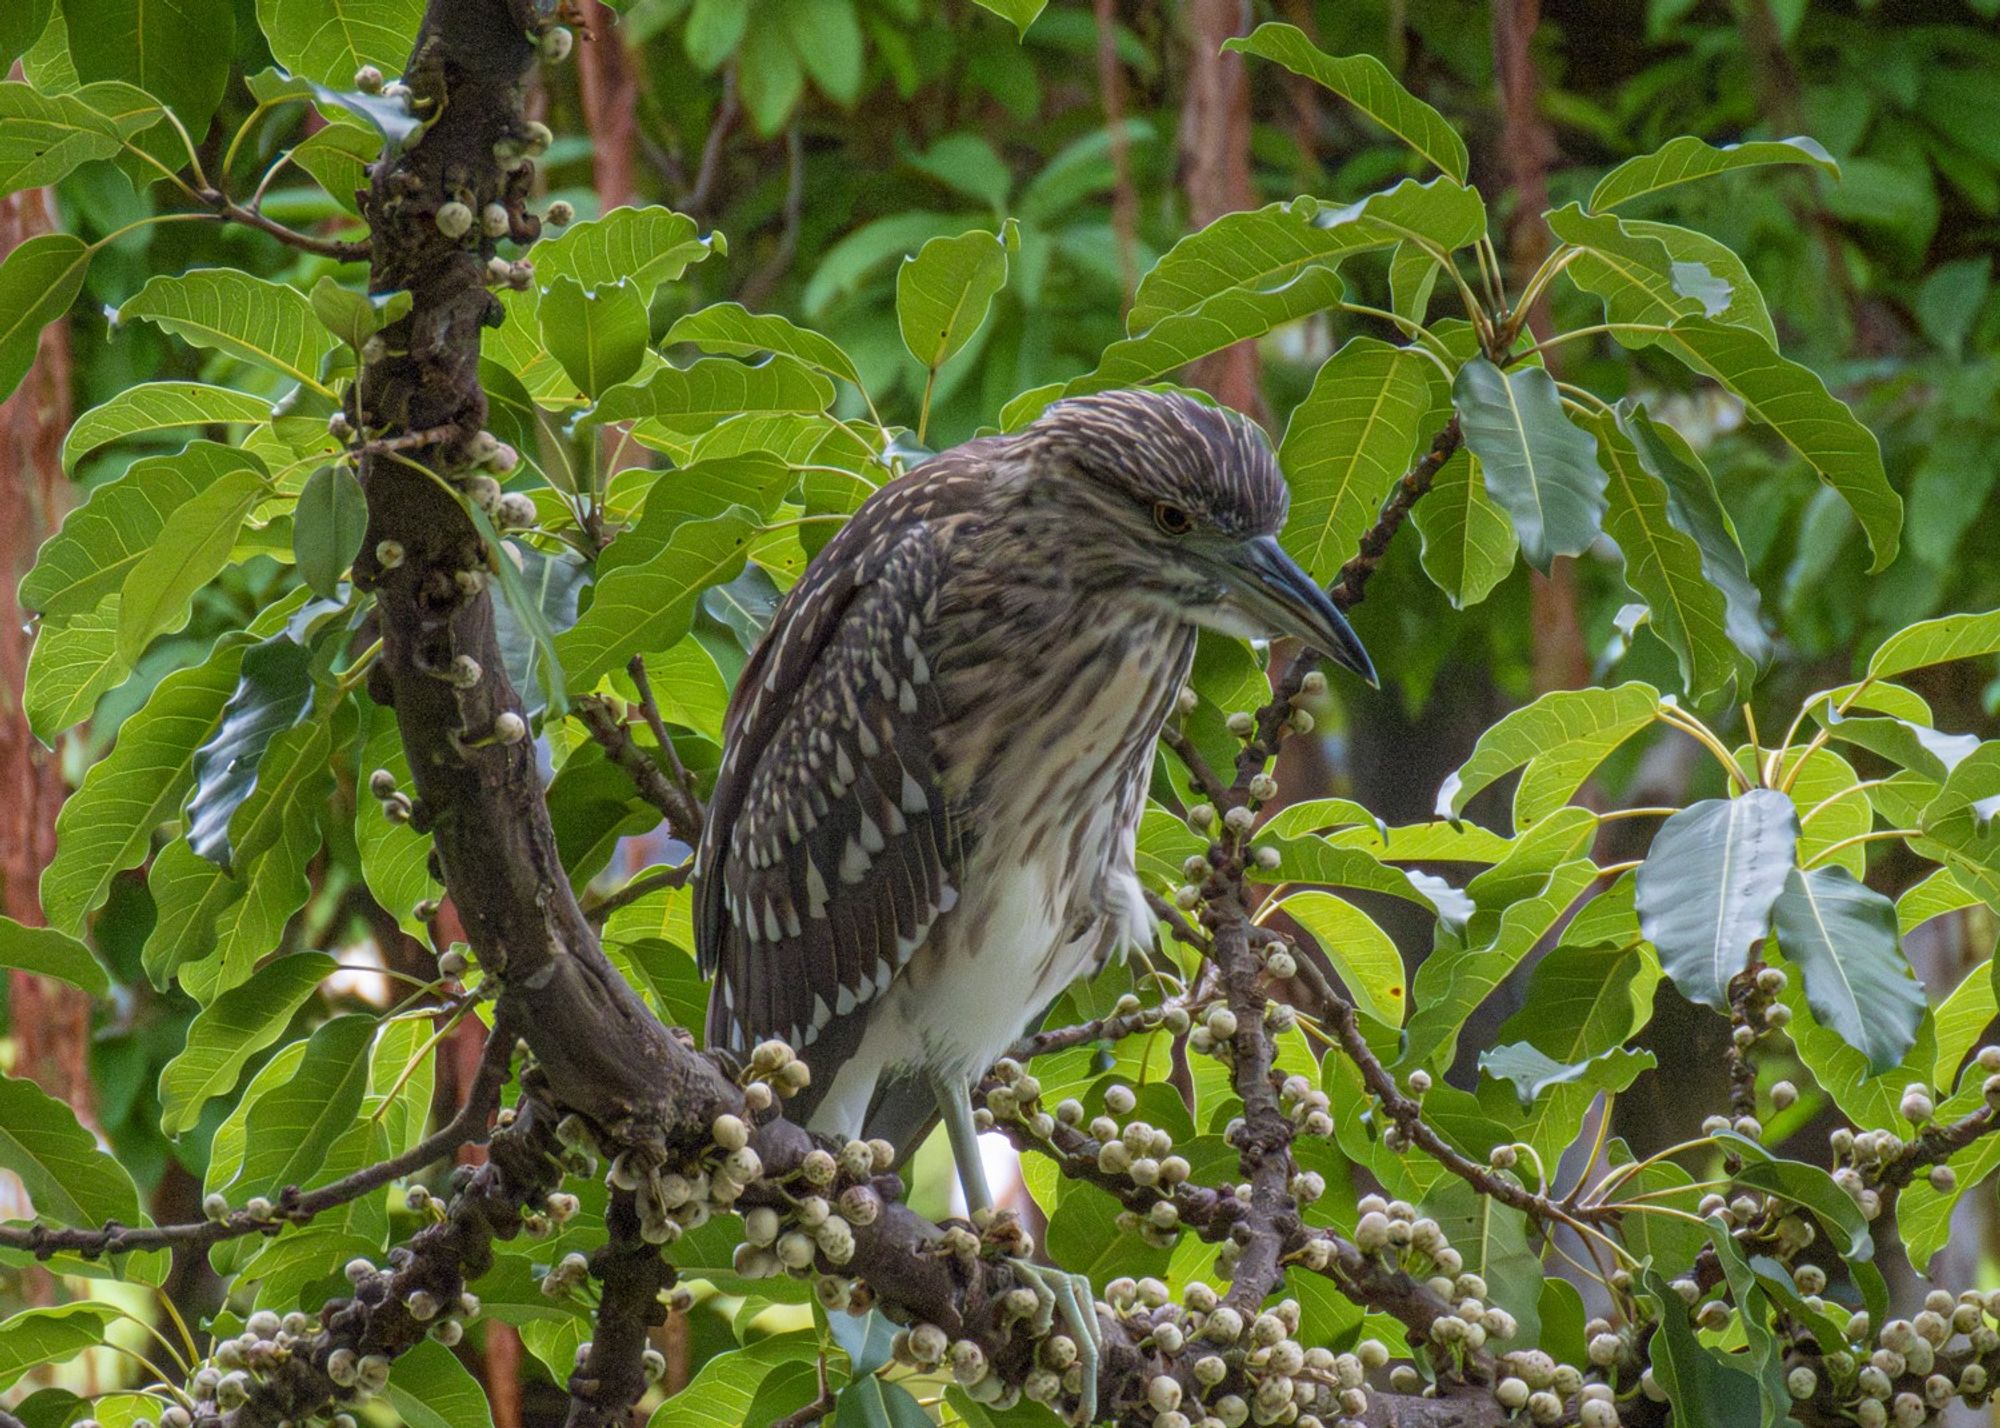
1269,587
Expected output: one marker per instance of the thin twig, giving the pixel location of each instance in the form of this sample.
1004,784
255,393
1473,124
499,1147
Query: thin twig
638,888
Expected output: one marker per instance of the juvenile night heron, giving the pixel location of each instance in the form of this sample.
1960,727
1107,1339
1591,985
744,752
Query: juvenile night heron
935,762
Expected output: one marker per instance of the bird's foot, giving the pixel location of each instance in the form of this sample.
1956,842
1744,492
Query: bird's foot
1073,1356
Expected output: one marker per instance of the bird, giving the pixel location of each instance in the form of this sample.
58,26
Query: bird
935,761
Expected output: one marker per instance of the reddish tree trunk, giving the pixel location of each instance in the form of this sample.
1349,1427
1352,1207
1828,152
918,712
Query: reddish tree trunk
51,1021
1215,168
1528,148
610,103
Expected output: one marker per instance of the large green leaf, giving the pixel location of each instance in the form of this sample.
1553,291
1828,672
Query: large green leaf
721,1392
1695,510
328,525
597,333
1706,889
1929,642
430,1388
649,605
178,51
326,41
1687,158
642,246
266,324
1559,739
1958,824
1262,249
107,536
72,662
1492,1239
50,952
20,26
70,1180
1634,274
1365,82
694,398
43,136
50,1336
1841,935
1688,247
214,927
1663,567
1345,447
944,291
1533,1072
1468,541
1794,402
1539,466
194,544
271,696
1018,13
293,1124
868,1402
729,327
39,279
159,406
234,1027
1704,1387
1363,955
1924,1213
699,491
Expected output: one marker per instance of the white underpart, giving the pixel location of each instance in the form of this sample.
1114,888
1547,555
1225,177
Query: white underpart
1017,937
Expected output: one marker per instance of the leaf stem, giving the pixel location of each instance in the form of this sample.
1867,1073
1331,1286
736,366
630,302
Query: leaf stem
1876,836
1702,735
1592,331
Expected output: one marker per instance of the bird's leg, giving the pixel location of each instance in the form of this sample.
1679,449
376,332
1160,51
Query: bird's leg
1074,1298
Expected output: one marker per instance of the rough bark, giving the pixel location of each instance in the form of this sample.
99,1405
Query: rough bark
1215,170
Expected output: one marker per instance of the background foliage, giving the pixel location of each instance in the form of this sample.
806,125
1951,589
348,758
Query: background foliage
792,157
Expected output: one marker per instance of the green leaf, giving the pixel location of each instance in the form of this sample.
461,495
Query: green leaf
234,1027
1924,1214
50,1336
107,825
70,1180
212,927
649,605
355,317
338,156
326,41
1539,466
1018,13
944,290
294,1123
44,136
72,662
101,541
1687,158
1365,82
730,328
159,406
1696,511
1939,641
264,323
1918,747
699,491
271,696
1364,957
1707,887
1807,1186
178,51
1263,249
327,528
194,545
1560,739
20,26
1842,937
642,246
1468,541
430,1388
39,279
1691,248
868,1402
598,334
1634,274
1346,446
1704,1387
48,952
722,1390
1493,1240
697,397
1663,567
1175,340
1532,1072
1959,829
1937,895
1794,402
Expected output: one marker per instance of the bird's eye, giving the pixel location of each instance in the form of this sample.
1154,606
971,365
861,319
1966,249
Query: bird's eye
1172,519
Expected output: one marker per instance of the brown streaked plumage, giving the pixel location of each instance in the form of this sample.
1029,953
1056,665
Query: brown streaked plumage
936,761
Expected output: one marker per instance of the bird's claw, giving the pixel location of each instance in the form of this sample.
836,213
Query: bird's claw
1071,1297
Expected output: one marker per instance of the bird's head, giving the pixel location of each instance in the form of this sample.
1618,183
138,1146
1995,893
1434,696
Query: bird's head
1178,503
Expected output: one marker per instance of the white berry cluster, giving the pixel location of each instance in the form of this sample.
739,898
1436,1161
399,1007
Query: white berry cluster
1537,1389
